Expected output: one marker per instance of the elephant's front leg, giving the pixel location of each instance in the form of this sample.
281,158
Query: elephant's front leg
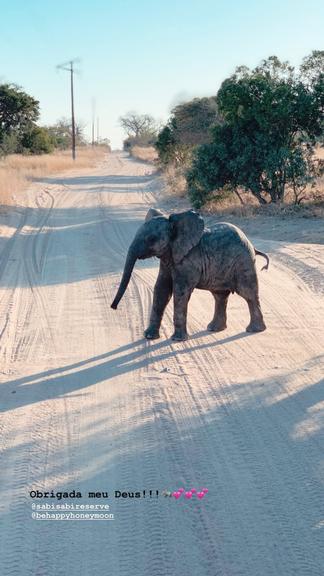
181,297
161,297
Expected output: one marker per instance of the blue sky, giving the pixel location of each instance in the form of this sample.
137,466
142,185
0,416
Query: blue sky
145,55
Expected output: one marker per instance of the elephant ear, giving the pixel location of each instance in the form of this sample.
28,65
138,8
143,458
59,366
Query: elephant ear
186,229
152,213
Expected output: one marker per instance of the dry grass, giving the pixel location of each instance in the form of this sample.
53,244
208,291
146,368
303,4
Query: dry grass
229,204
307,210
175,182
17,171
311,206
320,152
147,153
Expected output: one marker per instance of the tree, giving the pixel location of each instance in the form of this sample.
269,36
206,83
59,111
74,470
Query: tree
9,144
312,68
170,148
271,121
136,124
215,167
37,140
166,144
312,72
144,139
61,133
17,109
18,112
189,126
193,120
141,129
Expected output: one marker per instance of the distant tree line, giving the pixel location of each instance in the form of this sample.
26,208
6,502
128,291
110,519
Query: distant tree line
19,132
257,134
141,130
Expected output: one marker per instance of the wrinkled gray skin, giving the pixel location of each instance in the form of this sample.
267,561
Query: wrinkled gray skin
221,260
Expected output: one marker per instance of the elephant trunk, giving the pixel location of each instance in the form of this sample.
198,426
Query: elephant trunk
128,269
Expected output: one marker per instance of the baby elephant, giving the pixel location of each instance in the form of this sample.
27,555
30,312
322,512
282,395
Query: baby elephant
221,260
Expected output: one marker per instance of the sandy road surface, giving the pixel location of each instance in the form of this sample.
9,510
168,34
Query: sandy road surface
87,404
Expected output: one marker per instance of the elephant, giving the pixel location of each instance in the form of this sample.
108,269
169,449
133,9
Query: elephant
221,260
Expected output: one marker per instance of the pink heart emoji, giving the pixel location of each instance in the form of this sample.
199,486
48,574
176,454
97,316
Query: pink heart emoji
193,490
176,494
188,494
181,490
205,490
200,495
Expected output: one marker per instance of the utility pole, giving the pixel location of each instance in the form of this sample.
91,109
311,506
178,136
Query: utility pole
93,121
69,67
97,129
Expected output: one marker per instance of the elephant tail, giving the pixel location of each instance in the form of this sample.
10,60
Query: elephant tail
258,253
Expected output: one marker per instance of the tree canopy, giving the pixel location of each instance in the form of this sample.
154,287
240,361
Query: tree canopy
18,114
136,124
17,109
189,126
271,120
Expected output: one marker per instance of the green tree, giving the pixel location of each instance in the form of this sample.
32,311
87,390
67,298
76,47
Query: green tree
188,127
312,73
37,140
193,120
9,144
166,144
271,121
18,112
312,68
215,167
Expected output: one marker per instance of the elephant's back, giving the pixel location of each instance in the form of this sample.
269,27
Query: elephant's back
229,238
227,255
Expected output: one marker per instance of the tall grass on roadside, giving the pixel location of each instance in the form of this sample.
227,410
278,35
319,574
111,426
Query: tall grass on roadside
228,203
175,181
17,171
146,153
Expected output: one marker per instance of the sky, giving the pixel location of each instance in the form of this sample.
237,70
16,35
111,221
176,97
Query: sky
144,55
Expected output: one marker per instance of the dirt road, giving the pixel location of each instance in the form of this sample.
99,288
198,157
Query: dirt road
88,404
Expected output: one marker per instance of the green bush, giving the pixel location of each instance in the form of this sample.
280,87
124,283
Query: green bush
36,140
9,144
188,127
165,145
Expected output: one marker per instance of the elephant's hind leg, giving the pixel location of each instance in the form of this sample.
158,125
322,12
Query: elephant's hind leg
218,322
251,295
256,323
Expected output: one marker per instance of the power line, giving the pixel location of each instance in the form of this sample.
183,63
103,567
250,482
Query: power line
69,67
